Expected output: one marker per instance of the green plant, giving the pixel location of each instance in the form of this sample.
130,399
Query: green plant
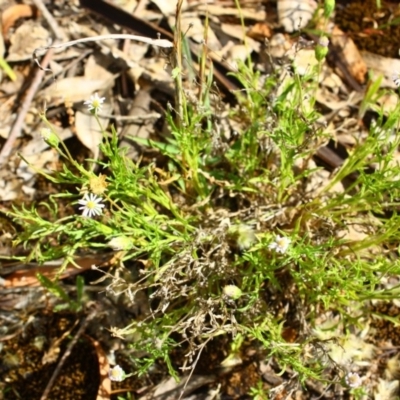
66,302
250,213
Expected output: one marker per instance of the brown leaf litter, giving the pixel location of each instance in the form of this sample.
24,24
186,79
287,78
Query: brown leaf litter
136,81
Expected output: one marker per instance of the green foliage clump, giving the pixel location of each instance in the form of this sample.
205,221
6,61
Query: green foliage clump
237,235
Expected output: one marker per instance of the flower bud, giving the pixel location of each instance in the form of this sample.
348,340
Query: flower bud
50,137
329,6
232,291
321,50
104,229
120,243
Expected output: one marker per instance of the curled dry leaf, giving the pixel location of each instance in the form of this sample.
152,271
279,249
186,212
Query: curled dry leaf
260,31
13,13
104,392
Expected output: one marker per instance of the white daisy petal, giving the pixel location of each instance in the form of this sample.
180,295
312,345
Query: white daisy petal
353,380
95,103
116,374
91,205
281,244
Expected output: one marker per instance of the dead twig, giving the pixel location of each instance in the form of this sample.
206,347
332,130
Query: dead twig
58,32
155,42
16,128
66,355
131,118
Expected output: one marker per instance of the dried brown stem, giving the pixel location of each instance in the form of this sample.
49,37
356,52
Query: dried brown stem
66,355
17,127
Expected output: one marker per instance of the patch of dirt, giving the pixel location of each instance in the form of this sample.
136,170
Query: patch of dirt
374,29
30,358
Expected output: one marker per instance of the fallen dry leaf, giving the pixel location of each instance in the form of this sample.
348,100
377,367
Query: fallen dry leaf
88,130
237,32
127,5
319,179
168,7
388,102
10,185
26,38
194,28
384,66
295,14
104,392
349,54
27,277
278,47
2,51
304,61
247,13
260,31
170,389
76,89
142,129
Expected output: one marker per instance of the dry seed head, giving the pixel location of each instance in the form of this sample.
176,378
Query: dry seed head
243,236
351,349
98,184
386,390
392,370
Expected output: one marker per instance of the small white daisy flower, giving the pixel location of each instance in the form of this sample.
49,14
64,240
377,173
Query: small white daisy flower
95,103
91,205
353,380
281,244
116,374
